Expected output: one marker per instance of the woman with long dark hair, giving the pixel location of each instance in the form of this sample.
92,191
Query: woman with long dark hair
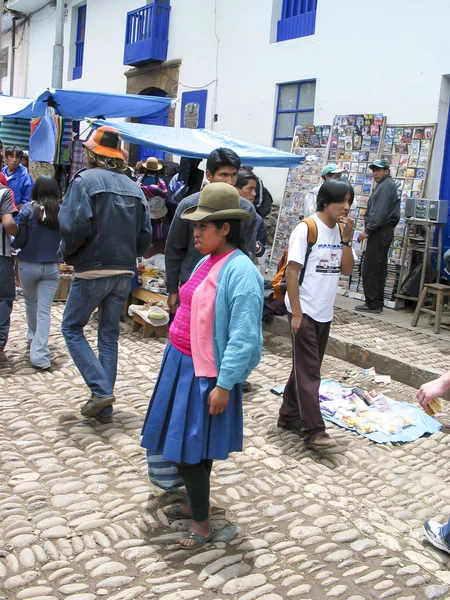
38,240
195,414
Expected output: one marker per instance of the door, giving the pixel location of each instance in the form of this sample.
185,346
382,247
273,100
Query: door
445,193
161,118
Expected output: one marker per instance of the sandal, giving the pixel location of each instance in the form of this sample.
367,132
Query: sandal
174,511
198,539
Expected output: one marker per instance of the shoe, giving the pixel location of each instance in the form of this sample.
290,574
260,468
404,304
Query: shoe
198,540
432,531
3,357
246,387
103,420
95,405
322,440
45,368
372,311
291,427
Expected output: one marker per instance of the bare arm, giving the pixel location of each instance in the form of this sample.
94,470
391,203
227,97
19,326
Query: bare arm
9,224
433,389
292,274
347,260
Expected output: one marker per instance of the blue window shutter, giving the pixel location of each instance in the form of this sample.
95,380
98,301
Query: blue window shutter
193,109
298,19
79,43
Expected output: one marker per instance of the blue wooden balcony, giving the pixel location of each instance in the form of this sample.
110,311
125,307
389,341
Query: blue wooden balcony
147,34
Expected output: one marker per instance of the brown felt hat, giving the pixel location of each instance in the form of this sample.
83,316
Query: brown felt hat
106,141
217,201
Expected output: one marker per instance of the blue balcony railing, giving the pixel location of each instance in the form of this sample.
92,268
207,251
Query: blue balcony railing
297,26
147,33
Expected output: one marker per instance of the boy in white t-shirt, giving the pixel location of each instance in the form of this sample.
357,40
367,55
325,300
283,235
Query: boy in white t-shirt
310,307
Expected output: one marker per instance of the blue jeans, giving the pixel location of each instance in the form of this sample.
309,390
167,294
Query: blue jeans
445,533
39,282
109,294
7,295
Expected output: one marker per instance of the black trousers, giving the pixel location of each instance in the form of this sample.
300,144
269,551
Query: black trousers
7,295
196,480
301,395
374,268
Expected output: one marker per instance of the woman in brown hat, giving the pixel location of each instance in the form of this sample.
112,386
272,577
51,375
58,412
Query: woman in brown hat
195,413
151,183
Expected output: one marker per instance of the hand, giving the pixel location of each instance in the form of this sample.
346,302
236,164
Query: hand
173,303
296,322
218,400
258,247
363,236
431,390
347,223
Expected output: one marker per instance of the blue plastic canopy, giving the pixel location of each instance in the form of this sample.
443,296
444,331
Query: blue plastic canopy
76,104
199,143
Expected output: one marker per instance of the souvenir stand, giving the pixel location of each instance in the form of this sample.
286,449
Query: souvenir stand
408,148
311,142
355,143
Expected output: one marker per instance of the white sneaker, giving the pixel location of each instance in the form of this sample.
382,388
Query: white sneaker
432,531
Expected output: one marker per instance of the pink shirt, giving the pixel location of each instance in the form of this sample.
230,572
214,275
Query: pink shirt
180,330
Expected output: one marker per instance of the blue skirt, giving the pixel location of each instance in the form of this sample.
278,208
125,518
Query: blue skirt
178,424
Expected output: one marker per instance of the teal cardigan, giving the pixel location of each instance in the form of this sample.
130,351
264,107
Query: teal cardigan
237,334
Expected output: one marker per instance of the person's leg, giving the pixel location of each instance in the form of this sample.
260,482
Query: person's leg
197,482
46,286
84,296
29,274
290,417
371,271
7,295
301,399
438,534
108,332
385,240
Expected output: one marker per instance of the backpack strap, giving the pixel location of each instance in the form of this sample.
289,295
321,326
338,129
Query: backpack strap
312,239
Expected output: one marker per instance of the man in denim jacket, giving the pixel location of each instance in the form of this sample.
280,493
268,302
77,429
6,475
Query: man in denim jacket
105,224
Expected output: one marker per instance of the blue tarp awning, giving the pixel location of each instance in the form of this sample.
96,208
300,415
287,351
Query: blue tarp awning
199,143
76,104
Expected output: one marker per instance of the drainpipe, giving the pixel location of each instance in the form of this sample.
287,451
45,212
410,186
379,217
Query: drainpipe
13,56
58,48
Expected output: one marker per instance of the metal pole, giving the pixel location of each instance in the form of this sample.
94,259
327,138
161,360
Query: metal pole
58,48
13,57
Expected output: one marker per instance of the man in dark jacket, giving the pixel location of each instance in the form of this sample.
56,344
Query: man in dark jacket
104,224
382,215
222,165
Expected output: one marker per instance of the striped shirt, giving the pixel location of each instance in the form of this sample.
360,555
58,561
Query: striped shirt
6,207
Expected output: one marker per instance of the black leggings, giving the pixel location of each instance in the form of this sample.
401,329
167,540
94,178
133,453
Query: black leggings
196,480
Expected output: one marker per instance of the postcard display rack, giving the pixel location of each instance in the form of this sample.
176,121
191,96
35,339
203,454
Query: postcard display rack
407,148
312,142
355,143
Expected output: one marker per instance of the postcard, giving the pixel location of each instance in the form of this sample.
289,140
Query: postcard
362,168
428,133
375,142
418,133
401,172
358,189
387,147
417,185
369,179
368,119
359,120
373,156
352,177
355,156
354,167
390,132
395,160
357,142
367,187
410,173
407,134
423,161
393,171
366,142
360,178
374,130
401,148
334,144
425,148
399,183
341,143
408,185
420,173
403,162
398,134
363,156
346,166
378,119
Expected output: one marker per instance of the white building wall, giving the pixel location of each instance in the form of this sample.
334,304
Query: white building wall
388,58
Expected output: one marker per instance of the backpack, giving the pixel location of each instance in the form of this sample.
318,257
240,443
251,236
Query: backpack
279,281
264,200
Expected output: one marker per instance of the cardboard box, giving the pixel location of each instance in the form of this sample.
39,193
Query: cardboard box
63,288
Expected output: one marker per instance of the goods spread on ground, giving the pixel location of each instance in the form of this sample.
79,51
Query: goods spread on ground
151,274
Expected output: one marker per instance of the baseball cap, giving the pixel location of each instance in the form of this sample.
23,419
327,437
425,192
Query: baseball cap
331,169
380,163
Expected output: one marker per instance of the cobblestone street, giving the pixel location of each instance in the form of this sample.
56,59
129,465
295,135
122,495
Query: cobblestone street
79,519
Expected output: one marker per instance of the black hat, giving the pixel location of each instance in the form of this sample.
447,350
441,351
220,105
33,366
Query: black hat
380,163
